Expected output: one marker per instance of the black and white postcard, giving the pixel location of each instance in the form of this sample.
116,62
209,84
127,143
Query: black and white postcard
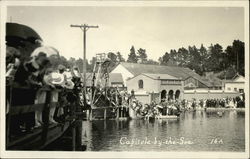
124,79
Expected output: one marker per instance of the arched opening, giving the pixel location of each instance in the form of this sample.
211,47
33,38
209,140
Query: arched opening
140,84
170,95
177,94
163,95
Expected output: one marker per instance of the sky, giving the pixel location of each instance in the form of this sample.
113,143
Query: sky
156,29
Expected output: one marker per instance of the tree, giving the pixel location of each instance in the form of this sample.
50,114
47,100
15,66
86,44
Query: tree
114,60
71,61
58,60
113,57
235,52
173,61
160,60
194,59
231,56
132,56
165,58
142,56
119,57
215,53
203,57
79,64
238,49
183,55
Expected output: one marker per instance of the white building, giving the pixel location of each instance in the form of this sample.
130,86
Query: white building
237,84
191,79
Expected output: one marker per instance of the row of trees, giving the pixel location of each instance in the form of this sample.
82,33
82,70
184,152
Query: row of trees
200,59
213,58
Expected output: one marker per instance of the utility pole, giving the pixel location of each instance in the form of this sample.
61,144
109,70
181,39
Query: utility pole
237,66
84,28
77,129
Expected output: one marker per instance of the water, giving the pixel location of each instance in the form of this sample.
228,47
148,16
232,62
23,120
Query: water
193,131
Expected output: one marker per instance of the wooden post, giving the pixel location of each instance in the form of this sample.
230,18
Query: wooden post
117,113
121,111
73,137
78,139
105,124
87,114
90,114
105,113
78,126
8,116
73,127
46,111
117,104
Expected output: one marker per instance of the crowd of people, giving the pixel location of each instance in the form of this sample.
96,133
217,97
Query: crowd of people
228,102
122,98
156,110
27,82
170,106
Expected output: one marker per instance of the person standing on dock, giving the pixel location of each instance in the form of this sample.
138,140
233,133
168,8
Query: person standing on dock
27,75
57,109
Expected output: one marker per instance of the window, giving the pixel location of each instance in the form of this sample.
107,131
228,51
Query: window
229,89
241,90
235,89
140,84
171,82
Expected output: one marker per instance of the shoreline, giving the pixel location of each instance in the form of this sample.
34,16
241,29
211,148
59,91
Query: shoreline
237,109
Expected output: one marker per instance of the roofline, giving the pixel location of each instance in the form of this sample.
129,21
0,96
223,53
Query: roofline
120,63
115,66
151,77
233,82
164,66
153,65
162,74
199,81
138,75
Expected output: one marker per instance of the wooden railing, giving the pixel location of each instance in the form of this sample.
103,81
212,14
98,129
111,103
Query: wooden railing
22,109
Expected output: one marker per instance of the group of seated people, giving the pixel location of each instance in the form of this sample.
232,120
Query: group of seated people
28,81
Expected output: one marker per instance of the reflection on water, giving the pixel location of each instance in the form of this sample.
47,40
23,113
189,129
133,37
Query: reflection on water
193,131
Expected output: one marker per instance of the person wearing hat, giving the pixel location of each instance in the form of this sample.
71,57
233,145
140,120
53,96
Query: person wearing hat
26,75
41,97
51,80
59,79
61,68
66,84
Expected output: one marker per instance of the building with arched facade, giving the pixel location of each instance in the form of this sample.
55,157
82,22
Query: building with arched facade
166,86
166,82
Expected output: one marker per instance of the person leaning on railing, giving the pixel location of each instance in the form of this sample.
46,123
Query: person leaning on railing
26,83
41,96
12,63
60,109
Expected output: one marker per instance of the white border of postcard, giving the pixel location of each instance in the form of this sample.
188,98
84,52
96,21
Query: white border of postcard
175,154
